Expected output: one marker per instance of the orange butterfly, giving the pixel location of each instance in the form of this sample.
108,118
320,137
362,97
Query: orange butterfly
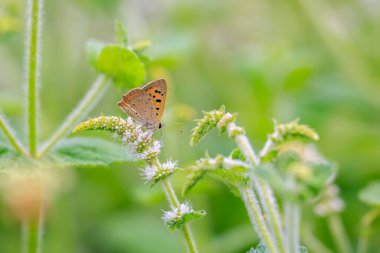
146,104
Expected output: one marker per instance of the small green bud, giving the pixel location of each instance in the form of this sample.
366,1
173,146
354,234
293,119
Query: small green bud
204,125
292,130
108,123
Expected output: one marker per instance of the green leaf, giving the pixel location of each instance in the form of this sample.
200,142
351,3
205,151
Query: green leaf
309,179
237,155
122,65
263,249
121,37
259,249
9,157
206,124
192,179
177,224
89,152
93,49
371,194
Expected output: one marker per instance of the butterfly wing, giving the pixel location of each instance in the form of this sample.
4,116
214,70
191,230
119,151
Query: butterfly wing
139,105
157,92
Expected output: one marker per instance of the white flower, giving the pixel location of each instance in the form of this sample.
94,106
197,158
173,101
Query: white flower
177,213
149,172
139,142
154,173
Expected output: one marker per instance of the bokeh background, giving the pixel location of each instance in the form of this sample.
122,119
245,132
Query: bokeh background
316,60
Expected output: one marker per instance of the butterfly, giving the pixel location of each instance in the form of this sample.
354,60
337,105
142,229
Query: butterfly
146,104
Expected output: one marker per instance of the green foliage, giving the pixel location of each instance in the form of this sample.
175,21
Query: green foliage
237,155
233,176
370,194
122,65
192,179
293,131
121,37
106,123
259,249
187,217
296,178
206,124
262,249
89,152
9,157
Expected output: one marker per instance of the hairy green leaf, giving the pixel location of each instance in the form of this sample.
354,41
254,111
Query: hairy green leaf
371,194
177,224
9,157
121,37
192,179
89,152
122,65
263,249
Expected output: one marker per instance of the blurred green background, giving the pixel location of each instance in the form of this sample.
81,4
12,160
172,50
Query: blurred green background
317,60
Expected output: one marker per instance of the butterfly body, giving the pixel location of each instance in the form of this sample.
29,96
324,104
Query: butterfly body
146,104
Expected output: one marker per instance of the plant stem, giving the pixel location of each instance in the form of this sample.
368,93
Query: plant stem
292,219
313,243
84,105
33,50
33,234
257,218
265,192
174,203
365,229
170,194
9,133
339,234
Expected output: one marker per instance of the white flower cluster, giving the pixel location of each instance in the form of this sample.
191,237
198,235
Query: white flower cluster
140,142
177,213
155,173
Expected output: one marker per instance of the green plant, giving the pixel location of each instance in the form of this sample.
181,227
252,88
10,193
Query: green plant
29,165
286,165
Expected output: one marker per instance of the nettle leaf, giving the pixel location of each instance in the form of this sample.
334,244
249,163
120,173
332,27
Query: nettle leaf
237,155
121,37
122,65
272,175
178,223
309,179
9,157
371,194
263,249
192,179
89,152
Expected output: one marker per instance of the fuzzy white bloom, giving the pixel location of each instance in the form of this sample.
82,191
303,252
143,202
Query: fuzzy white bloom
139,142
177,213
153,173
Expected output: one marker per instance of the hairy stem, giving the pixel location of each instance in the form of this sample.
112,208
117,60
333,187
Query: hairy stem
257,218
33,50
339,234
9,133
174,203
33,230
313,243
84,105
292,218
265,192
365,229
